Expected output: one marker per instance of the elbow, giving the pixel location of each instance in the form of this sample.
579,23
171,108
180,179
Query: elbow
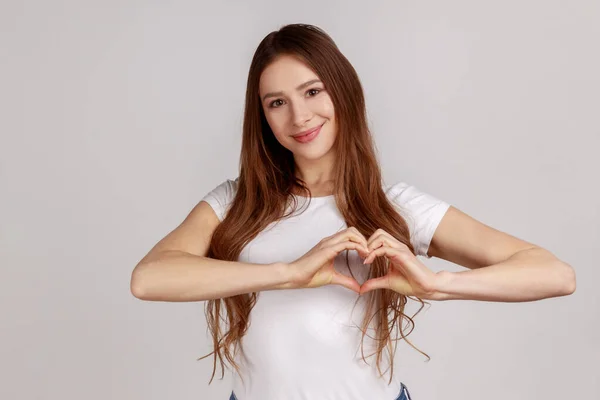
568,280
136,290
137,286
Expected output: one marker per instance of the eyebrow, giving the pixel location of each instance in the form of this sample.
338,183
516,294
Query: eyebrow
275,94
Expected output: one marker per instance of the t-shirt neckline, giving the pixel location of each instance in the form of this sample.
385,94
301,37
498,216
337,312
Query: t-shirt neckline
319,198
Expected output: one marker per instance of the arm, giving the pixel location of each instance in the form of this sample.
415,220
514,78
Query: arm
177,269
180,276
502,267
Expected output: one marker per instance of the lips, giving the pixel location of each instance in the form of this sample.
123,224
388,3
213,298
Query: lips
308,132
308,137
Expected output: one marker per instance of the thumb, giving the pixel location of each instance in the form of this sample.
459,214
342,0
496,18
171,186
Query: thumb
383,282
346,281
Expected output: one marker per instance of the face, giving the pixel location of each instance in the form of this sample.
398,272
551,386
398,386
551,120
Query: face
294,100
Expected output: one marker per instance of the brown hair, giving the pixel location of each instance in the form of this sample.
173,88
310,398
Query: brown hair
267,180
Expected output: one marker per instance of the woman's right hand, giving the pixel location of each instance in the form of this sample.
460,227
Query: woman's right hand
316,267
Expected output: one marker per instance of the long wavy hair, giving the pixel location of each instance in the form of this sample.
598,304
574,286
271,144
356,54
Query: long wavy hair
267,180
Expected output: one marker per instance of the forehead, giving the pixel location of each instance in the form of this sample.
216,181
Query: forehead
285,73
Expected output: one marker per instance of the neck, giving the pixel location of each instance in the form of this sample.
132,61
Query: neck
317,172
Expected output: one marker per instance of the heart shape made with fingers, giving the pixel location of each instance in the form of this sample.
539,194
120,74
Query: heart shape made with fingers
406,275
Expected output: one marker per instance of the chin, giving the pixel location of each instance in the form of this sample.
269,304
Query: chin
313,153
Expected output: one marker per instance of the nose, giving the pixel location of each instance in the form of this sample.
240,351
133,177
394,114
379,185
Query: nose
300,114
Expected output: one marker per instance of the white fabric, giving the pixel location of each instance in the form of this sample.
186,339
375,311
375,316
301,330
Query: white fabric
305,343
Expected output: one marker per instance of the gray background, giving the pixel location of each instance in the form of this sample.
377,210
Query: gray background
117,117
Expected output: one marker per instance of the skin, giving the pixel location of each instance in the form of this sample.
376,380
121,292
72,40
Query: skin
501,267
297,110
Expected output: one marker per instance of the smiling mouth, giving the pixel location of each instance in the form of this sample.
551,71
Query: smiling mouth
308,132
308,137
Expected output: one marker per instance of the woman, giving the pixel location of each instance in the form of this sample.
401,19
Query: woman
308,257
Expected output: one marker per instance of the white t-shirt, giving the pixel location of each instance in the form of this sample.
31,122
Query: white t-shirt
305,343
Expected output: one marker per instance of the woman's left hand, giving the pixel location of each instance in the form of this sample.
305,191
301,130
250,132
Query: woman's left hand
406,274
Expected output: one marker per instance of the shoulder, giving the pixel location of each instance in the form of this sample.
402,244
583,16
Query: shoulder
422,211
410,197
221,196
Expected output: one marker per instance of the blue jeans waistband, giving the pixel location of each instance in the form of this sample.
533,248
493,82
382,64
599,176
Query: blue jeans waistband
404,394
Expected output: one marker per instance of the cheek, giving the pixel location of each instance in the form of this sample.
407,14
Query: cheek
326,107
277,123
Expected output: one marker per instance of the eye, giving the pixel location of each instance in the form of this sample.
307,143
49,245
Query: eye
272,104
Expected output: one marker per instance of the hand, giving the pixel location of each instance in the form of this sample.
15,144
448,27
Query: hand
316,267
406,274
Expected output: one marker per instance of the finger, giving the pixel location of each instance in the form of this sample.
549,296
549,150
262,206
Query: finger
373,237
346,281
360,235
381,251
351,234
383,282
355,244
394,254
378,233
357,237
377,243
392,280
333,251
403,264
384,239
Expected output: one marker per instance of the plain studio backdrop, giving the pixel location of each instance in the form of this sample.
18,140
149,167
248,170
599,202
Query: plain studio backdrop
118,116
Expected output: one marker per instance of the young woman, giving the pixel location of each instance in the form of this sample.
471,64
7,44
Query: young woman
307,259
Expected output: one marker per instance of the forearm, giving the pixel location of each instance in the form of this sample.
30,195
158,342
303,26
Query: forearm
178,276
527,276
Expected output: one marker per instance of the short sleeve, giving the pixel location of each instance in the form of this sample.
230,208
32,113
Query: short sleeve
221,197
422,212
